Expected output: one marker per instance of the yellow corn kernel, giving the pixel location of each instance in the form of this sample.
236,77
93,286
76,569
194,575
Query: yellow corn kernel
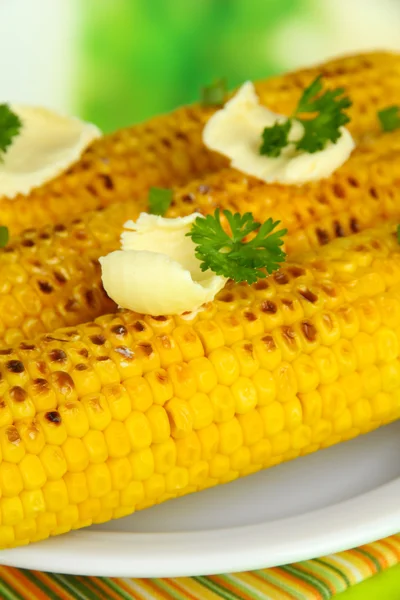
361,412
146,354
11,511
334,400
99,480
52,426
12,447
33,502
31,436
311,405
22,407
126,362
202,410
55,495
386,344
77,487
346,356
32,472
321,431
154,487
133,494
6,417
95,444
245,395
368,314
85,379
265,387
381,405
76,454
53,461
286,383
117,400
273,417
365,350
246,356
122,511
230,436
372,381
121,472
168,350
188,450
89,509
209,440
139,392
143,463
158,423
280,443
210,335
46,522
198,473
205,373
139,430
225,364
230,325
25,530
301,438
110,500
307,374
352,385
160,385
240,459
252,428
74,417
219,466
67,516
293,414
188,342
164,456
180,417
260,452
223,403
267,352
327,325
348,321
103,516
343,422
183,380
117,439
390,376
10,479
97,410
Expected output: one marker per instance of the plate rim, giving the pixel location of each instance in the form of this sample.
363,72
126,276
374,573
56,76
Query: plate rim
353,522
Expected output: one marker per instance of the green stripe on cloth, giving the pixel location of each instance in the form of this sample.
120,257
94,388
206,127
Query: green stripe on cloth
338,572
319,585
210,585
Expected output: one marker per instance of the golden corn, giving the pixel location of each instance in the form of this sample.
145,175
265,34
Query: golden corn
131,410
51,277
168,150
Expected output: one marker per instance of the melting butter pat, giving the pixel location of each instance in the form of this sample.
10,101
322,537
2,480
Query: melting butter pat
236,131
47,144
156,272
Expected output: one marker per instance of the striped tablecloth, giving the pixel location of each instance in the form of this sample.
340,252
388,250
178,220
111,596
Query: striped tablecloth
318,579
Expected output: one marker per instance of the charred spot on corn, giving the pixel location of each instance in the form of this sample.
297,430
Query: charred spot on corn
58,355
18,394
121,330
53,417
15,366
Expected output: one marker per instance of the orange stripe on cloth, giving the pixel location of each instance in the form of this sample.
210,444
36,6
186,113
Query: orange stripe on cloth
266,586
309,589
19,583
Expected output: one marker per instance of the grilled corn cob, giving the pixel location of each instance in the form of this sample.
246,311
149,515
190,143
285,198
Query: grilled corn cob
125,412
168,150
51,277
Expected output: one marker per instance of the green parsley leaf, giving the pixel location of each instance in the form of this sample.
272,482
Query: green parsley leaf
398,233
4,236
10,125
324,126
230,255
389,118
214,94
159,200
275,138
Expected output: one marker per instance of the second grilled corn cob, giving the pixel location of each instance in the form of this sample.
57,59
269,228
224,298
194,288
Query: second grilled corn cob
117,415
168,150
51,277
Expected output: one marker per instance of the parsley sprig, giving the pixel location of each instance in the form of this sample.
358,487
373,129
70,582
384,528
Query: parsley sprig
159,200
214,94
328,110
389,118
232,256
10,125
4,236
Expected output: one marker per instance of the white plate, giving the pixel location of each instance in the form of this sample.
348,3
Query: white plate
330,501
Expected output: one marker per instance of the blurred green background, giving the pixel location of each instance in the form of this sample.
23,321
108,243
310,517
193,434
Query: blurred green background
142,57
